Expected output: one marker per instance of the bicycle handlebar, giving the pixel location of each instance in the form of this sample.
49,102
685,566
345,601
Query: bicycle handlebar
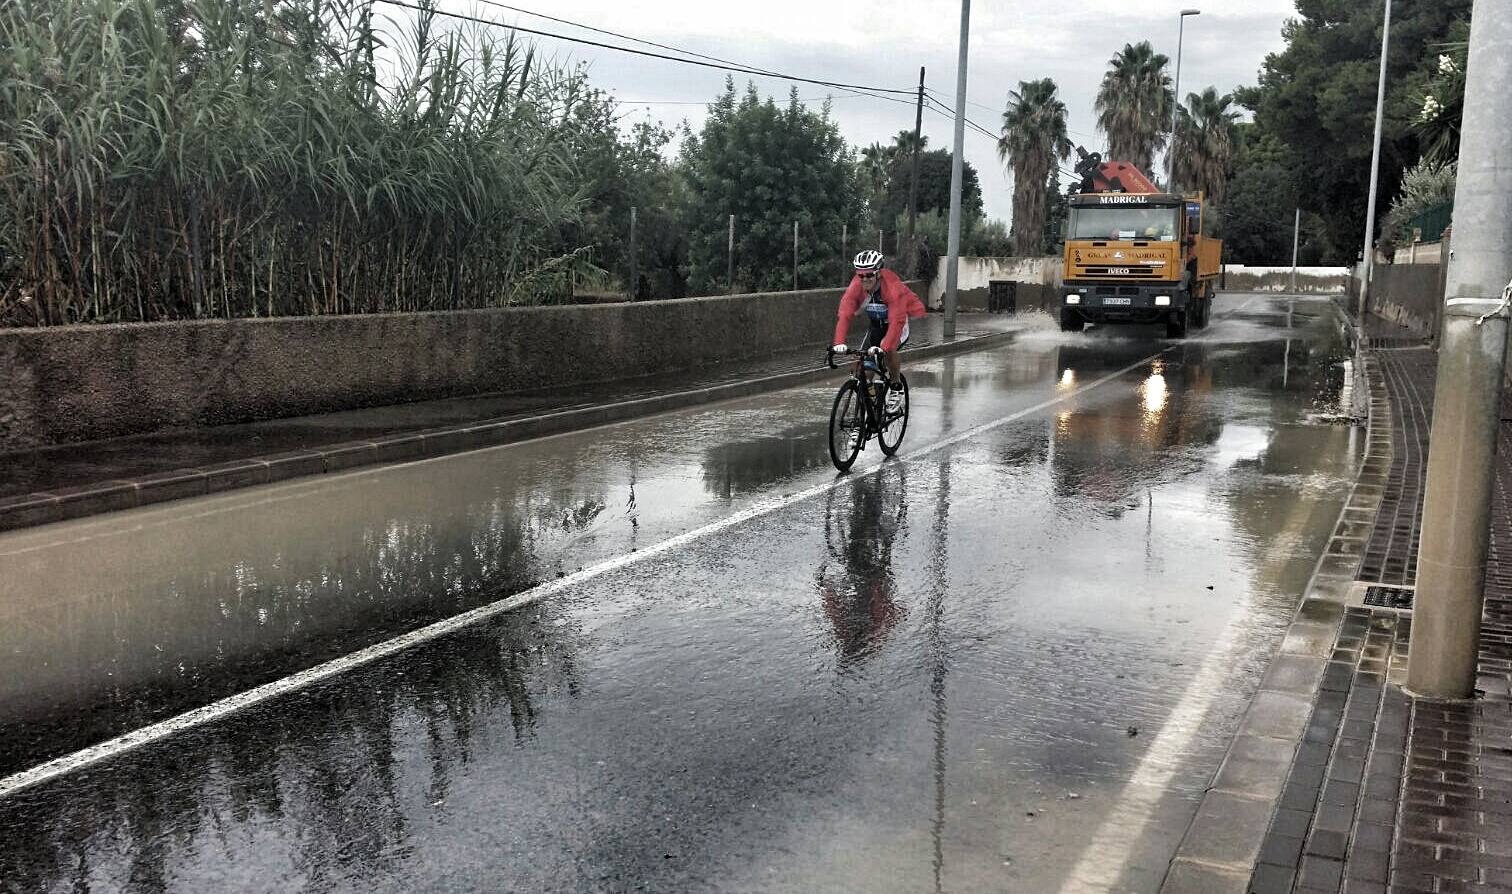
830,355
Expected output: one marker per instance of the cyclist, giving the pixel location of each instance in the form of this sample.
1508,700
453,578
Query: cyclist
888,304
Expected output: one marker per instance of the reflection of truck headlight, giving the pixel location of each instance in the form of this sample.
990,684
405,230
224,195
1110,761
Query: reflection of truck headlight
1073,299
1162,300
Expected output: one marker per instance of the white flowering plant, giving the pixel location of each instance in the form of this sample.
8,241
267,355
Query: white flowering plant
1437,121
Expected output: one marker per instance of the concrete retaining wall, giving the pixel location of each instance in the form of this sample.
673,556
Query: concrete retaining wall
78,383
1409,295
1036,280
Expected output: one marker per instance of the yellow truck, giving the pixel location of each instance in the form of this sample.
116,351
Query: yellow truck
1135,254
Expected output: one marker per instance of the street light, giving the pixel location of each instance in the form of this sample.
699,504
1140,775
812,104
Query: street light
1176,91
1375,180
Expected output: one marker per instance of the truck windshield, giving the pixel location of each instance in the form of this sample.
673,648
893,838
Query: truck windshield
1157,224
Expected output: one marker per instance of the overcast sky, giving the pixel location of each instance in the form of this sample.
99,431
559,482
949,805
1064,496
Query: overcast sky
883,43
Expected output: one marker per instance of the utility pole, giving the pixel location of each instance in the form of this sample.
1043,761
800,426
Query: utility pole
953,244
844,245
1472,356
795,255
1296,240
1375,179
634,290
913,178
730,263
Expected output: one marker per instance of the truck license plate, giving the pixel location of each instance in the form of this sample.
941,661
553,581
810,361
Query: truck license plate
1121,302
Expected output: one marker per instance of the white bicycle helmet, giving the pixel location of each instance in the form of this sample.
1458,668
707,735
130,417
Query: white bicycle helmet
868,260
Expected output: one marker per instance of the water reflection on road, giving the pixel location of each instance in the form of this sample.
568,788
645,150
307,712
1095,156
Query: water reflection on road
897,685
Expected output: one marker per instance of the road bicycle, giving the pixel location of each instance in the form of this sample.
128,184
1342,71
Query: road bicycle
860,410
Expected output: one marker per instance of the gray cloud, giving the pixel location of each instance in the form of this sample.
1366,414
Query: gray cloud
884,43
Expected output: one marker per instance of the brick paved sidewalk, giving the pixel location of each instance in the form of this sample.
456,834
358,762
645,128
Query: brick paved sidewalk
1387,792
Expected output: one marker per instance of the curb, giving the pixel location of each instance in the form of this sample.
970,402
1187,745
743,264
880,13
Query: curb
1222,846
31,510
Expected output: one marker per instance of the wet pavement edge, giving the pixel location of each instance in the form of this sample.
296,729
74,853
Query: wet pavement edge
96,498
1224,841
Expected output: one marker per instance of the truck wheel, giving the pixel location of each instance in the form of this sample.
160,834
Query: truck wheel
1201,309
1176,324
1071,321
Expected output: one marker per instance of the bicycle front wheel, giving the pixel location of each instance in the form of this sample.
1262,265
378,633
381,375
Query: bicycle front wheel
895,424
847,425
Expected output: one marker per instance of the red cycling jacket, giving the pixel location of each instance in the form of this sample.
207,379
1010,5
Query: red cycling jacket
902,304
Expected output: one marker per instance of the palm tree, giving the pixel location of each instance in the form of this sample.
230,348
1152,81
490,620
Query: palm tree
876,168
1203,149
1134,104
903,143
1033,139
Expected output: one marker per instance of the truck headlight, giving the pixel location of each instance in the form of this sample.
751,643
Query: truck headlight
1073,299
1162,300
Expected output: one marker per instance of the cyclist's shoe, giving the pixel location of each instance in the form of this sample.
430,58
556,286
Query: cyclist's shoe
895,399
855,438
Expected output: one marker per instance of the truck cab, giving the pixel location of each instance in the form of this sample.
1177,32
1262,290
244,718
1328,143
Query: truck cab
1136,257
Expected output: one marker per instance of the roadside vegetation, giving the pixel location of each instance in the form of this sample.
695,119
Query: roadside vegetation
161,159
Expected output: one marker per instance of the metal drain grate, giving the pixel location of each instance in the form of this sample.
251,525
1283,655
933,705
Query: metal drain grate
1397,598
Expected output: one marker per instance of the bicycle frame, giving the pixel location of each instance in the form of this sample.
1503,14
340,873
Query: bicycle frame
876,404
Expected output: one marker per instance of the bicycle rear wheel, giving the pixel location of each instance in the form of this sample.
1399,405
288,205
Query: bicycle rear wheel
895,424
847,425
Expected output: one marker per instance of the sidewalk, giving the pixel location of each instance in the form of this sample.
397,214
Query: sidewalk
1387,792
76,480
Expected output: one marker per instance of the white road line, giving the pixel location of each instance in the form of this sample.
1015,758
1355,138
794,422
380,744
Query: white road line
215,711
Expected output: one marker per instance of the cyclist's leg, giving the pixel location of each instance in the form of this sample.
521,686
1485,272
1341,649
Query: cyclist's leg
874,335
894,362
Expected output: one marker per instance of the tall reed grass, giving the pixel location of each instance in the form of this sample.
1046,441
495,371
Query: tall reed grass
170,159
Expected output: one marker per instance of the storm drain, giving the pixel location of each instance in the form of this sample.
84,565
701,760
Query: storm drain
1372,595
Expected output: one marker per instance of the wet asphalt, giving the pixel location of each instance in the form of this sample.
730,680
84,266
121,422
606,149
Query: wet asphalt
1011,659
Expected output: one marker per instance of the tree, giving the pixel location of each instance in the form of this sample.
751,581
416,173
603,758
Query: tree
1057,210
617,171
1427,187
934,186
1317,97
1202,151
876,169
1257,219
769,166
1033,140
1443,102
1134,104
904,143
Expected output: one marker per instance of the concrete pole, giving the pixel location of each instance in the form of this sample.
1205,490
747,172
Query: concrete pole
913,177
1467,401
844,245
795,255
1375,179
634,292
953,243
730,263
1296,240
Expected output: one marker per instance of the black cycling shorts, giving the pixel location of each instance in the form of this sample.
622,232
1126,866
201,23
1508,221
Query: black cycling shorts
878,331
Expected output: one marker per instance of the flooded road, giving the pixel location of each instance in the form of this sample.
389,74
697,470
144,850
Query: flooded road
1010,659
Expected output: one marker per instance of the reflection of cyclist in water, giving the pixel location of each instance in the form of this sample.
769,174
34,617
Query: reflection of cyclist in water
857,587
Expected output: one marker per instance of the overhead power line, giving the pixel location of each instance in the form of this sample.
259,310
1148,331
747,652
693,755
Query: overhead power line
939,108
742,69
987,108
854,91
